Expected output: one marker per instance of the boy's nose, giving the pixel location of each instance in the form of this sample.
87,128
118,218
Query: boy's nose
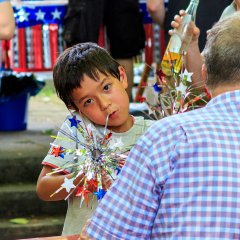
104,102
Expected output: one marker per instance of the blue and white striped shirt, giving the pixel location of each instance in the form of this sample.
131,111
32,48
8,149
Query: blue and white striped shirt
181,180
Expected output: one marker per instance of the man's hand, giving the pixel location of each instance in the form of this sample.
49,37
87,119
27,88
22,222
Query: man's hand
237,2
176,22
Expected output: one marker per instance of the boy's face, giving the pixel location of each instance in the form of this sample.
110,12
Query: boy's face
107,96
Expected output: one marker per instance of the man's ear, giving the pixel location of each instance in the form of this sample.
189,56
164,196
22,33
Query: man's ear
204,73
123,76
205,79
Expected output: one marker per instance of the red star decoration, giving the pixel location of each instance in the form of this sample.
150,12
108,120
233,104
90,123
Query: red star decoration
92,185
82,191
56,151
140,99
161,75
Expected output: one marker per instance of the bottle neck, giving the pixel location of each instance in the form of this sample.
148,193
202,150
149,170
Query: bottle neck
192,9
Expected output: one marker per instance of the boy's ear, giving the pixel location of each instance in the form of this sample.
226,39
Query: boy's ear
72,107
123,76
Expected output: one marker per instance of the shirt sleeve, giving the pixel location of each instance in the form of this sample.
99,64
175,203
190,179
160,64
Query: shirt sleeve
66,140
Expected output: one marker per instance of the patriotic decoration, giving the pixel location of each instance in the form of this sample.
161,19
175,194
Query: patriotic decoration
96,159
27,16
38,36
172,95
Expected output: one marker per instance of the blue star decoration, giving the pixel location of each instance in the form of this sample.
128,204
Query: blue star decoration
74,122
157,88
100,193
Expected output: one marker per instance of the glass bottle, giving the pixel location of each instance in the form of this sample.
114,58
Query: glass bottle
179,41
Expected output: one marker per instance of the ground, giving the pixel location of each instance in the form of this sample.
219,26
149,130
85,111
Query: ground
46,111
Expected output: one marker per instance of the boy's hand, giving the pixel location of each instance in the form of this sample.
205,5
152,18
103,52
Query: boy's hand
106,181
176,22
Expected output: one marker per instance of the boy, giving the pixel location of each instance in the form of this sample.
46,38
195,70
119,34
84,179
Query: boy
90,82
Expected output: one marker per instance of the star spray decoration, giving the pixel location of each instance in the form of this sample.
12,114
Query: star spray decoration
94,160
173,93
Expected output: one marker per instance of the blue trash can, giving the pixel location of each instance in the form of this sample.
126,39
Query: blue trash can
13,112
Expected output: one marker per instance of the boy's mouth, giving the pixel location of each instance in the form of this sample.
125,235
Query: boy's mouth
111,115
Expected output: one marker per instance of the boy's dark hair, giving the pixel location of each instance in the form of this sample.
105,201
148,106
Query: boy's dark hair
84,58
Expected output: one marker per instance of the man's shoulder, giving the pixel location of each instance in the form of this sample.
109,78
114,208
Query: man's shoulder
183,120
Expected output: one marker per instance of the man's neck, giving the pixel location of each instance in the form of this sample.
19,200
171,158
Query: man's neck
223,89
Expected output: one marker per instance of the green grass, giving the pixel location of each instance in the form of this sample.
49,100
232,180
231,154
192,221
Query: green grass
48,90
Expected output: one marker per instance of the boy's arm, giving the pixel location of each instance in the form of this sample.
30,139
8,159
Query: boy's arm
156,9
47,185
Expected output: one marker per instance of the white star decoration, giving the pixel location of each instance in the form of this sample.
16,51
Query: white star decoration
68,184
182,88
23,16
186,75
150,110
56,14
40,15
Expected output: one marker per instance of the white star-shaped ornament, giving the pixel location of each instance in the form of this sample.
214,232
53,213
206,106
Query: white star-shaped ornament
40,15
182,88
116,143
56,14
186,74
23,16
68,184
150,110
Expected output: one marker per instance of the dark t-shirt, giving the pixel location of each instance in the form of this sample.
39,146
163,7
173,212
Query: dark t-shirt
208,13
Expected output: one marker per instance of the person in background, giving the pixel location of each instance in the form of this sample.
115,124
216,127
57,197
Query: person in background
7,21
92,84
181,179
194,58
124,29
208,13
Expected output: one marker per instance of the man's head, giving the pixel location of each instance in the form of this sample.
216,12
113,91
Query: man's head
74,62
222,55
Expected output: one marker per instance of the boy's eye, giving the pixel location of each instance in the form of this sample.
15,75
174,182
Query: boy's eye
86,103
107,87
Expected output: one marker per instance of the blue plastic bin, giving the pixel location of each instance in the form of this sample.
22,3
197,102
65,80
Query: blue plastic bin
13,112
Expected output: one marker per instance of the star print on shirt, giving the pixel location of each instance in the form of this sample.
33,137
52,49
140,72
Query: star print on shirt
57,151
74,122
